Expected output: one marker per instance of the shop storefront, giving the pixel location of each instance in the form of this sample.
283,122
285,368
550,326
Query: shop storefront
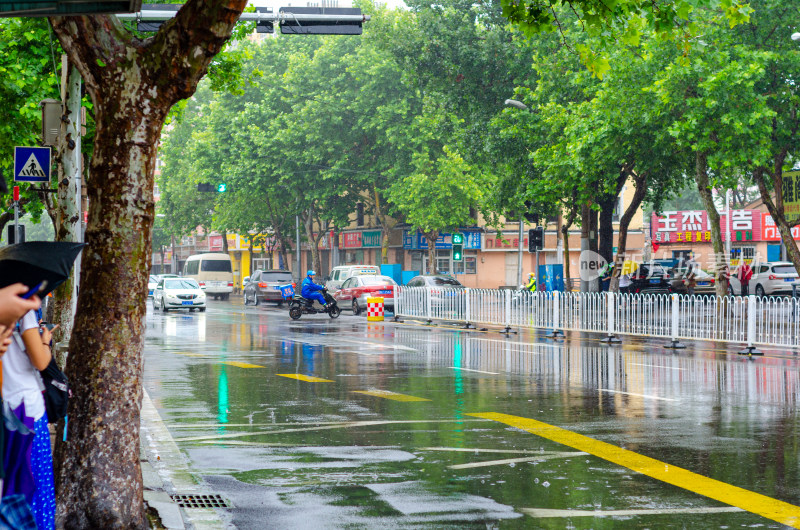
753,236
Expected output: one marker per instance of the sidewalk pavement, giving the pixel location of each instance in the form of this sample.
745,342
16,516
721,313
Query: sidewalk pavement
165,473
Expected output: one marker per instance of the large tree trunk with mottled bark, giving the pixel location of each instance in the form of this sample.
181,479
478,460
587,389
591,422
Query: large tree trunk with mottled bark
133,83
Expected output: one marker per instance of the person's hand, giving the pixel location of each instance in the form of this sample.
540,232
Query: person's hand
47,334
5,338
12,307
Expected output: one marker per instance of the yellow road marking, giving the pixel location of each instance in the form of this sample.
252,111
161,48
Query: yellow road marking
189,354
242,365
306,378
750,501
390,395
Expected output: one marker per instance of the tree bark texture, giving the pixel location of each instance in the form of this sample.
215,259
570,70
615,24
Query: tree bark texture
704,187
68,209
132,83
431,238
640,181
776,209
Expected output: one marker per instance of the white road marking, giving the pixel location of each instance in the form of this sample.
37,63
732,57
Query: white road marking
658,366
534,344
321,428
532,458
540,513
635,394
470,370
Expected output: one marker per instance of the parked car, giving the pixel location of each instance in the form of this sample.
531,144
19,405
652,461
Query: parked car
151,285
341,273
356,289
442,287
178,293
650,278
704,282
771,278
265,286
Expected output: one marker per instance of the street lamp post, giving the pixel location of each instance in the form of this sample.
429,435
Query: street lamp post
795,36
521,106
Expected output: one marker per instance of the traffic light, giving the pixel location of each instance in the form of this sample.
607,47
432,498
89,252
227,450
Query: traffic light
218,188
458,247
535,239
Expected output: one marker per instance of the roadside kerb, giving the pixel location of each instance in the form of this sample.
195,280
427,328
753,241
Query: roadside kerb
165,472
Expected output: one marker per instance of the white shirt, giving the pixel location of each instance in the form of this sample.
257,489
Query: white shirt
21,381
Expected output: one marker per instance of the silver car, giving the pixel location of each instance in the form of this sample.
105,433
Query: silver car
771,278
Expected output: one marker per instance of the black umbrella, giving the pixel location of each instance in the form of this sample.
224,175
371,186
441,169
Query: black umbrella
37,261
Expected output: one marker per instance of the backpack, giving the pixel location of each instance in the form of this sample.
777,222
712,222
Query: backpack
56,392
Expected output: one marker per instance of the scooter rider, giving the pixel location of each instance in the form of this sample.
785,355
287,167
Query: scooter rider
311,291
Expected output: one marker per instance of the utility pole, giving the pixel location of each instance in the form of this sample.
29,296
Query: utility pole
297,245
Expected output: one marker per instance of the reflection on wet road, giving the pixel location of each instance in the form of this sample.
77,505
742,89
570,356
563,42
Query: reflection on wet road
345,423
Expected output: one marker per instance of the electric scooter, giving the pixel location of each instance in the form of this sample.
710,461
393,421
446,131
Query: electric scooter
303,306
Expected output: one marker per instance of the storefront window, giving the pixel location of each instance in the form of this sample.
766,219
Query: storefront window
443,261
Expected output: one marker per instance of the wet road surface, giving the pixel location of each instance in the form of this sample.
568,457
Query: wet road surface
349,424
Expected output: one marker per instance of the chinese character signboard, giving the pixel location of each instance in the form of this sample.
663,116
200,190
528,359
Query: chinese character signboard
350,240
695,227
509,241
769,232
371,239
790,191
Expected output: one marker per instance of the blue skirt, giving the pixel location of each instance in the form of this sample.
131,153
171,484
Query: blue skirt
44,498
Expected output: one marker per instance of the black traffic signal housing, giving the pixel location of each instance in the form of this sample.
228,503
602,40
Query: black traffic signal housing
535,239
12,234
458,246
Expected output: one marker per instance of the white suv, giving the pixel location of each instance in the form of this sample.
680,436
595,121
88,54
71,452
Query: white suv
768,279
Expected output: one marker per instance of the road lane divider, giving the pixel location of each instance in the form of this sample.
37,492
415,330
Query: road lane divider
306,378
533,458
782,512
471,370
386,394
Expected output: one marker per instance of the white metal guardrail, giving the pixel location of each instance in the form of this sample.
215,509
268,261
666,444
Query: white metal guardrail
772,321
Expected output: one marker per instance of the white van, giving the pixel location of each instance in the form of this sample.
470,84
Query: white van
340,274
213,272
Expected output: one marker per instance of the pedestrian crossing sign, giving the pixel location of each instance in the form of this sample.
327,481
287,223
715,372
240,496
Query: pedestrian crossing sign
31,164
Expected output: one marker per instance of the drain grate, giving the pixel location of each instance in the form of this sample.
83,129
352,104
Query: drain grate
199,501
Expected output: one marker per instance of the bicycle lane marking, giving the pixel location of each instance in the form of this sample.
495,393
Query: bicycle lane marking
750,501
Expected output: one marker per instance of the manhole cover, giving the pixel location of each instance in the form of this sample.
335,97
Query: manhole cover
199,501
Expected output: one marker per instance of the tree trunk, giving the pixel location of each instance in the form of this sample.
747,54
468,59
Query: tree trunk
312,241
640,181
68,209
585,246
776,210
431,238
133,83
565,234
704,187
224,241
605,240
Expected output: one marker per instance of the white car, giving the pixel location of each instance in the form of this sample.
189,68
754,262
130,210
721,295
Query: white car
768,279
151,285
179,293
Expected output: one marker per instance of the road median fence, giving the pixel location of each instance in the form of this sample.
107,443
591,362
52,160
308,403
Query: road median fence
751,320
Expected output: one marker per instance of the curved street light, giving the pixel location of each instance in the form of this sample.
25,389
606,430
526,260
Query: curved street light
795,36
522,106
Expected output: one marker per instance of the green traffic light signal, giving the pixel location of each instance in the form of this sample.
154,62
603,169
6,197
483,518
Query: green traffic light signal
458,238
221,187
